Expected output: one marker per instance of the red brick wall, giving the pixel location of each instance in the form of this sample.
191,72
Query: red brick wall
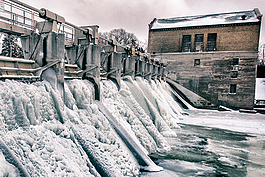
229,38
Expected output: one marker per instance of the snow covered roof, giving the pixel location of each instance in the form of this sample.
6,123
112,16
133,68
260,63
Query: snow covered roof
206,20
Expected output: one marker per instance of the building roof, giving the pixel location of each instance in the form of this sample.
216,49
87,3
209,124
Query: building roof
207,20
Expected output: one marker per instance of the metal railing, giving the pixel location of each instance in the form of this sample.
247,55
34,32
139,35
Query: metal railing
68,31
25,16
17,15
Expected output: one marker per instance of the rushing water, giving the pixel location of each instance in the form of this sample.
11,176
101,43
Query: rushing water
51,137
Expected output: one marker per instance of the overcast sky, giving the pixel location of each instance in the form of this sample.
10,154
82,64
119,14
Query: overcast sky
134,16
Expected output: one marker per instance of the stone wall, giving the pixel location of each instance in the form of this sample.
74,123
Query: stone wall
212,79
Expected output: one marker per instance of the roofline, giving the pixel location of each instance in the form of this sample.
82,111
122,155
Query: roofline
206,26
256,10
152,23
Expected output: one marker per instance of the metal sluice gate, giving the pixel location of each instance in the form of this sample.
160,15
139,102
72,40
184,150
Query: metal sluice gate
52,45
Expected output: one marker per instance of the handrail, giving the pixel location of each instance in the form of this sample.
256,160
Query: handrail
18,15
19,60
42,13
28,6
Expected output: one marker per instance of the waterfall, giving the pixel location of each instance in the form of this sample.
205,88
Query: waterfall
51,137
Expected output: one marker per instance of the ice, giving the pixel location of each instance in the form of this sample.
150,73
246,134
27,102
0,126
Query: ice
52,137
95,134
42,132
125,102
43,153
234,121
7,169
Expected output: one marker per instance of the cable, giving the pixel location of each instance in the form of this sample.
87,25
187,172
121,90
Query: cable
37,41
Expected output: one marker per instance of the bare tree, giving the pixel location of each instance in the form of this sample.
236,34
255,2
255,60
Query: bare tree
120,35
124,38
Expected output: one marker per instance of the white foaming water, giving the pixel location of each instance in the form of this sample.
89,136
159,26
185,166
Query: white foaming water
53,138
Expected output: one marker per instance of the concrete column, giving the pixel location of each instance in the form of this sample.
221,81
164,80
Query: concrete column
93,54
54,51
154,71
114,69
129,67
140,68
148,71
104,58
159,72
72,53
55,46
33,47
163,73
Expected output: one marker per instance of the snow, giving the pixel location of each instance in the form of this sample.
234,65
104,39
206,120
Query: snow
234,120
260,89
204,20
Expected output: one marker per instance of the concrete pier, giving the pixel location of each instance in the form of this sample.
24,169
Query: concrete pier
84,58
114,67
92,70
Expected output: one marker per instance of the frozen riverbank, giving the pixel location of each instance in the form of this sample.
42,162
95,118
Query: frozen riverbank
232,120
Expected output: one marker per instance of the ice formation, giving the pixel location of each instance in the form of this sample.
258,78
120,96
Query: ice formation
52,137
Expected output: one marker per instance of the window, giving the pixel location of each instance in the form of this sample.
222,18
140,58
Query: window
235,64
198,45
197,62
235,61
233,88
186,41
211,42
234,74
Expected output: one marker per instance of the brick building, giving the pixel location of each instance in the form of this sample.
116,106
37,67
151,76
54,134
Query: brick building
213,55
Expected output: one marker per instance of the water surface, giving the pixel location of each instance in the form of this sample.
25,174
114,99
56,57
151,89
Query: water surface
205,151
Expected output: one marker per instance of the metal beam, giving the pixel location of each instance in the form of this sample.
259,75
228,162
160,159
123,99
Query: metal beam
13,29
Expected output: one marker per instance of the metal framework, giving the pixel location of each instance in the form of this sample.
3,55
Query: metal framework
16,13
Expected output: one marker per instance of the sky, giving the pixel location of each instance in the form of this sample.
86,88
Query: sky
134,16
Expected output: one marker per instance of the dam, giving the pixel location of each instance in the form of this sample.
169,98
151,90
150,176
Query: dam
74,108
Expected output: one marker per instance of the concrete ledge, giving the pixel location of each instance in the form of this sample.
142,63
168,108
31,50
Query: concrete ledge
7,28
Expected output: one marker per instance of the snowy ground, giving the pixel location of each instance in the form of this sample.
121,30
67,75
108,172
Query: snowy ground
232,120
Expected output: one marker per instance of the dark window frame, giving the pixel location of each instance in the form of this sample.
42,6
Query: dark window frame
235,61
186,43
211,42
198,42
197,62
233,88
